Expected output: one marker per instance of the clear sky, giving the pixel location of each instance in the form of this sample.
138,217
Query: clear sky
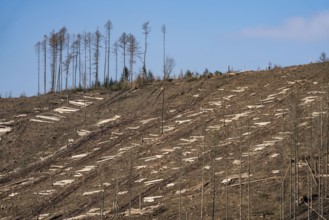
200,34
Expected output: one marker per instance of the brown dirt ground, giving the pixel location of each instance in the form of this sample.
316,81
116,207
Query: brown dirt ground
211,126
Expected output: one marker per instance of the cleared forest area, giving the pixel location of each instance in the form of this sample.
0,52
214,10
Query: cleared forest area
249,145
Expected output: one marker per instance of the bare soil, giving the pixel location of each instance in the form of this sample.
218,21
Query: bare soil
61,160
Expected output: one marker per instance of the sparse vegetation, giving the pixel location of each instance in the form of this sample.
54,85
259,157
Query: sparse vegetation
245,147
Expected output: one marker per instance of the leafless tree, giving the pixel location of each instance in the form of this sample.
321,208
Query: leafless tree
61,35
67,61
74,54
168,67
37,49
85,44
105,62
180,158
52,41
134,51
130,161
89,36
146,30
115,51
123,41
97,40
203,170
240,173
108,27
44,48
78,58
163,30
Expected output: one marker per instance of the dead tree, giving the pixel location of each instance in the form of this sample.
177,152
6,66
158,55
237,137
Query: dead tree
108,28
53,48
37,49
61,35
134,51
163,30
97,40
146,30
168,67
123,41
115,52
44,48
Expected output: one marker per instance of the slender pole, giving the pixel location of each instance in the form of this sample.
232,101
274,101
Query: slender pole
180,182
214,186
202,181
320,158
226,207
249,133
162,111
240,173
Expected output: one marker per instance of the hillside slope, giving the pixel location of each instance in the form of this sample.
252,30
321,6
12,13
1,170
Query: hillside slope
86,155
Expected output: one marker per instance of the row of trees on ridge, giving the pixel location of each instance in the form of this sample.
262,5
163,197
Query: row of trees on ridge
78,57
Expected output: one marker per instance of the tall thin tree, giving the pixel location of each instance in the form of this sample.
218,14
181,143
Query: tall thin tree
108,27
123,41
115,51
61,44
97,40
85,44
44,48
89,36
146,30
37,49
74,61
53,54
133,50
78,50
67,60
105,62
163,30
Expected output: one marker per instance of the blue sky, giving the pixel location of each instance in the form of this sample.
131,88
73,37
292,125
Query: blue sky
200,34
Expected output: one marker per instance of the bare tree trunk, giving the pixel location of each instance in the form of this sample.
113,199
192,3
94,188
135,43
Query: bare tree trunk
108,27
147,30
78,61
180,183
226,189
308,189
67,63
101,199
249,132
73,67
108,59
85,43
282,183
290,181
38,47
163,29
115,205
202,177
240,173
162,109
45,64
96,55
89,44
105,64
116,60
327,150
130,182
320,158
214,185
